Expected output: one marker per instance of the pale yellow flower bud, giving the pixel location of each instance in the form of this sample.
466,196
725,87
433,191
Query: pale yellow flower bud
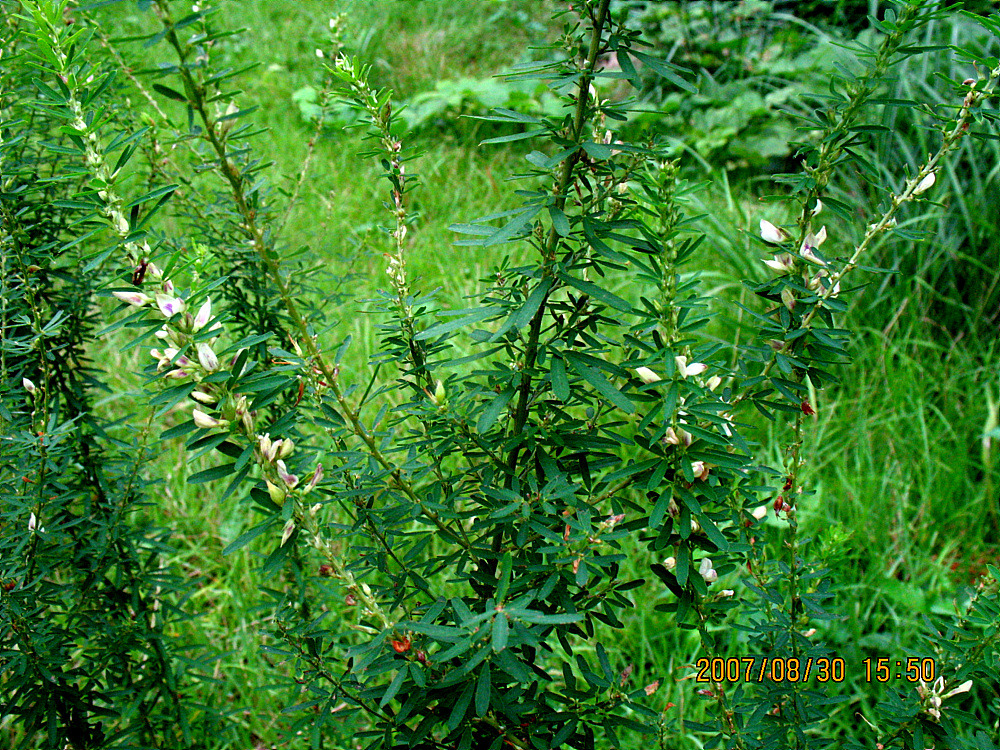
646,375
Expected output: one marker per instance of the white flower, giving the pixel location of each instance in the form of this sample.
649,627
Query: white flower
136,299
268,450
685,369
32,522
678,436
925,184
203,316
28,386
810,243
670,563
706,571
646,375
316,478
760,513
290,480
205,421
287,532
963,688
168,305
713,382
207,357
818,207
727,592
205,398
781,263
770,233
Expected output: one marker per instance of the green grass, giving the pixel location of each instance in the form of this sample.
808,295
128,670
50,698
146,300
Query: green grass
905,508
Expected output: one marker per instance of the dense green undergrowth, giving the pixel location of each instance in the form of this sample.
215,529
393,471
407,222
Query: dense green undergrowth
902,449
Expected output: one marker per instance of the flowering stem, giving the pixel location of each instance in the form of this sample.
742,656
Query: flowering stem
256,235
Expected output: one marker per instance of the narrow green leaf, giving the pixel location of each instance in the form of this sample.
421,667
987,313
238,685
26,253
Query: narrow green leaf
501,631
527,311
560,383
602,385
460,708
514,137
483,687
512,228
452,325
246,537
665,70
209,475
169,93
597,292
493,410
394,686
559,221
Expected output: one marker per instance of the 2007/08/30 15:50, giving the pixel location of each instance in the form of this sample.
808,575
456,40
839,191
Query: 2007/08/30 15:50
751,669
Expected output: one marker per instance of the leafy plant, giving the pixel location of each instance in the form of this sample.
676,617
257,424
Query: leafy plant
445,537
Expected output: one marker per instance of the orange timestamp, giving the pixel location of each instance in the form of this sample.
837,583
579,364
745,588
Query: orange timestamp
768,669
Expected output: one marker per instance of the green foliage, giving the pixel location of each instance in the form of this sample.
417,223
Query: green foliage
86,606
452,539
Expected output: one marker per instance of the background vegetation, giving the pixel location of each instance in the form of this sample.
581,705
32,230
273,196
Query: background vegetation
905,445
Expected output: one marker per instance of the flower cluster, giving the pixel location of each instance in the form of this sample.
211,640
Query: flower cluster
676,434
787,263
931,696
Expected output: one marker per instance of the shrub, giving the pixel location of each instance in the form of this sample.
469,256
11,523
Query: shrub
444,545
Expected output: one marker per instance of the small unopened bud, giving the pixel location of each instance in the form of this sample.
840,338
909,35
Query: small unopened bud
818,207
28,386
203,316
670,563
205,398
788,298
316,478
136,299
204,421
287,532
646,375
438,397
969,82
285,448
207,357
276,493
925,184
